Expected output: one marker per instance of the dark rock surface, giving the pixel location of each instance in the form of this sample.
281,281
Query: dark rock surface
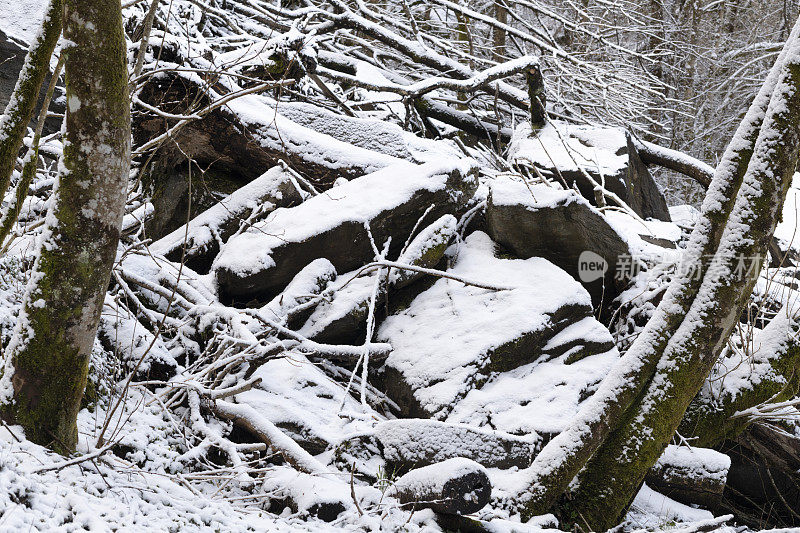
563,228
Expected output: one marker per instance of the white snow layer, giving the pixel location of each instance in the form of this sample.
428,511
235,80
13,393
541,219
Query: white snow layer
444,340
358,200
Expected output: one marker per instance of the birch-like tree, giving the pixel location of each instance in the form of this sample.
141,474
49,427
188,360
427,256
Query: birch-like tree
48,356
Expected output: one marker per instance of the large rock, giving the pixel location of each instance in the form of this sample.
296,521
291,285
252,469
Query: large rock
566,151
253,202
369,133
342,318
304,402
763,485
412,443
232,145
260,262
690,475
561,226
453,340
12,57
455,486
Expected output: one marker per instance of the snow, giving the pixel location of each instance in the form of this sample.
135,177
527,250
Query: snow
508,191
22,18
431,479
112,493
371,134
786,230
430,441
695,462
295,395
350,296
684,215
651,509
444,341
569,148
357,201
443,360
206,226
272,129
310,281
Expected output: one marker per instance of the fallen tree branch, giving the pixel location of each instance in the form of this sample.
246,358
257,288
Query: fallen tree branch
652,154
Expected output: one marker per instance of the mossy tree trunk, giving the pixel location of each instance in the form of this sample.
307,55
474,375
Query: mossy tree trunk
49,352
610,480
20,108
564,456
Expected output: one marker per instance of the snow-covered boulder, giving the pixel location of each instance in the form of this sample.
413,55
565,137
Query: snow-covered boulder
691,475
298,397
607,155
261,261
421,442
253,202
561,226
453,340
342,319
369,133
454,486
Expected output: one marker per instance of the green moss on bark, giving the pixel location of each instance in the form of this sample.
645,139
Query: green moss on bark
54,336
612,477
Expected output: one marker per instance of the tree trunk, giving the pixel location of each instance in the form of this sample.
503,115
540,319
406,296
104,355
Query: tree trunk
49,352
499,34
612,477
564,456
19,111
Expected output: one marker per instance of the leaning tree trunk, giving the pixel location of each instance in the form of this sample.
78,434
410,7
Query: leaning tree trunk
611,478
564,456
19,110
49,352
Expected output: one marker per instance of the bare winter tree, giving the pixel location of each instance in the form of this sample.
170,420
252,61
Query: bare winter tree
49,352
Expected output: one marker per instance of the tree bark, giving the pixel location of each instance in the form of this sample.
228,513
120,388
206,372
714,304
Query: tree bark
30,162
564,456
612,477
19,111
49,352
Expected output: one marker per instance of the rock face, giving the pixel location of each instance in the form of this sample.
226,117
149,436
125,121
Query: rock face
12,57
561,226
454,341
455,486
371,134
690,475
232,145
763,480
343,318
565,151
302,400
259,263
